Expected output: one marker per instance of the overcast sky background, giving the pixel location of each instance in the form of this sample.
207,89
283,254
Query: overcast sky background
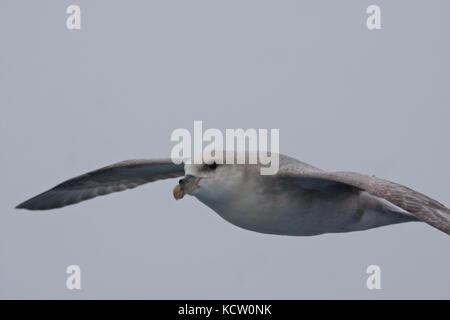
343,97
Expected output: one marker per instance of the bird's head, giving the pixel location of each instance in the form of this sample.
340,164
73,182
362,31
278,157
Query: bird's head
214,178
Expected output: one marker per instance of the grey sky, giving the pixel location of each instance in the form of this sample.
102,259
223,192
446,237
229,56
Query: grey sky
343,97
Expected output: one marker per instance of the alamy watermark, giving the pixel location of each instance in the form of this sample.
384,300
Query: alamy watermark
190,149
73,281
374,280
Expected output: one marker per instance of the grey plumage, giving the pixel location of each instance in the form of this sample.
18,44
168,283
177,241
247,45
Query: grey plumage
117,177
419,205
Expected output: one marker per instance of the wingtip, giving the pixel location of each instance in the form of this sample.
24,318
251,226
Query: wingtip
26,205
21,206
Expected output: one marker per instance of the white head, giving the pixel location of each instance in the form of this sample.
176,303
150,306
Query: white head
215,180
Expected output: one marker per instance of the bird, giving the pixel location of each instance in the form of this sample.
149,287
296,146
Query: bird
299,200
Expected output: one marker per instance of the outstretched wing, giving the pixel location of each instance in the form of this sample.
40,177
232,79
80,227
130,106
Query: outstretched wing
419,205
117,177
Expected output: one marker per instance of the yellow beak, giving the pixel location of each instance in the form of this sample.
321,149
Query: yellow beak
177,192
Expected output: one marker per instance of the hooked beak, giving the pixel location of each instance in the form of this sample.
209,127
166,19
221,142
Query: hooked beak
187,184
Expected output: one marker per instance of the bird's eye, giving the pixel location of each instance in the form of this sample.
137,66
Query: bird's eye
212,166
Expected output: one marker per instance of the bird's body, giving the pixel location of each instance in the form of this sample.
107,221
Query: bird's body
269,205
299,200
301,212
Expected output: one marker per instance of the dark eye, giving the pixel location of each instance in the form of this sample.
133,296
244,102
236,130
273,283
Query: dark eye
212,166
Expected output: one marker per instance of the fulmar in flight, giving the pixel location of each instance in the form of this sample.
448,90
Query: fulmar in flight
299,200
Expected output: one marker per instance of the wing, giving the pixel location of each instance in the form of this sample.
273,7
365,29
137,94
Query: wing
117,177
419,205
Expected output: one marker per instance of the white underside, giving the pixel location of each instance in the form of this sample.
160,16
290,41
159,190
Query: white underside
294,214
